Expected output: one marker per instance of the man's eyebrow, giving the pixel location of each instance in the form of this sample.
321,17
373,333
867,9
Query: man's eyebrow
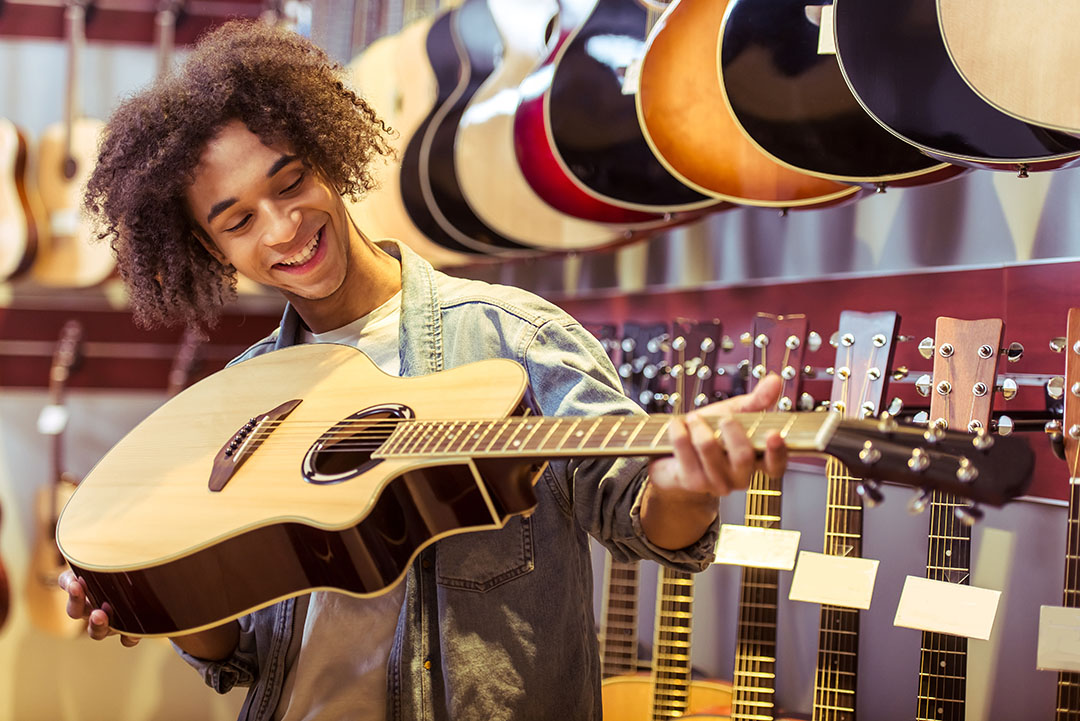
224,205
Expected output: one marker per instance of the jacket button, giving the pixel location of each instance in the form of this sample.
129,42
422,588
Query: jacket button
427,665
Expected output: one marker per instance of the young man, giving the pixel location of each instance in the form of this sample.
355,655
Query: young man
238,164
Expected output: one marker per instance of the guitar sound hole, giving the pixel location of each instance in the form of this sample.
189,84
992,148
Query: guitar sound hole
344,451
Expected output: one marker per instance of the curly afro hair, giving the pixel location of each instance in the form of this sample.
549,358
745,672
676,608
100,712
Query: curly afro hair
284,89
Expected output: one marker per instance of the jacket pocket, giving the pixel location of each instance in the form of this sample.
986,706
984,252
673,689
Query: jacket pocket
483,560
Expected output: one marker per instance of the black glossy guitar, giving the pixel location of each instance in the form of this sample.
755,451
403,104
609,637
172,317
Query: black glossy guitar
895,61
593,114
793,102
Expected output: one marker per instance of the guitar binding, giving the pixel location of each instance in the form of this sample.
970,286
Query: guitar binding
325,463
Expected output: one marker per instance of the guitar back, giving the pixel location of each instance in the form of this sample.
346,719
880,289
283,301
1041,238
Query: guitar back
493,184
1034,82
793,102
893,55
687,124
18,226
392,75
72,258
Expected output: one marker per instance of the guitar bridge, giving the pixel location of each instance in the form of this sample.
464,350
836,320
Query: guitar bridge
244,442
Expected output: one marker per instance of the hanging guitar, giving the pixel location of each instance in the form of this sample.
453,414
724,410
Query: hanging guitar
685,120
865,343
18,220
894,59
792,101
66,156
46,601
491,179
5,588
321,467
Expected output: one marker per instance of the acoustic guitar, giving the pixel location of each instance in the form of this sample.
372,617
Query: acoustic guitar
18,221
5,588
66,156
491,179
791,99
1068,698
688,126
393,76
307,467
965,357
865,344
46,601
894,59
1029,81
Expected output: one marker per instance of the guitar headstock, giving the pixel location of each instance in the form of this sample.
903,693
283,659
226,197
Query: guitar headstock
965,373
694,349
865,344
66,357
644,365
1071,433
778,345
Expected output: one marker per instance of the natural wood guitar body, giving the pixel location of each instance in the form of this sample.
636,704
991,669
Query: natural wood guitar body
153,541
629,698
18,225
72,257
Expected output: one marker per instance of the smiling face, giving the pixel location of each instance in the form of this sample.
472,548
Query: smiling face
279,223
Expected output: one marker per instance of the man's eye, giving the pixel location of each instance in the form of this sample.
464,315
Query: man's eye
296,183
239,225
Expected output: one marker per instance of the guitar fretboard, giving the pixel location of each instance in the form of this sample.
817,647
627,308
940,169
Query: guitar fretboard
755,651
523,436
618,632
838,636
671,653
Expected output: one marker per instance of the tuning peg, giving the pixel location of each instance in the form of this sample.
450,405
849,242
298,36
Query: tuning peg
1008,389
743,367
628,345
746,338
726,344
832,371
679,343
1055,387
707,345
761,341
824,406
834,339
895,406
922,418
1003,425
785,404
924,384
926,348
626,370
806,402
847,340
813,341
1014,352
900,373
870,492
887,423
674,401
904,338
919,502
809,371
658,343
1059,344
968,515
1056,437
982,440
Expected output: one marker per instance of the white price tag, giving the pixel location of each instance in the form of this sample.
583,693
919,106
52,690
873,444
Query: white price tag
834,580
64,223
52,420
1059,639
951,608
757,547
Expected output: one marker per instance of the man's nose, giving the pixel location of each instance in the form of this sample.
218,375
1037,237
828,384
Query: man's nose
282,224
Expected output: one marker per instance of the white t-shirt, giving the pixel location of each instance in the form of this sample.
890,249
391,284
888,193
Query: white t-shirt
340,669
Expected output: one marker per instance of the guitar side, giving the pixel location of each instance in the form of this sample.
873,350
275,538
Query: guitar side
18,225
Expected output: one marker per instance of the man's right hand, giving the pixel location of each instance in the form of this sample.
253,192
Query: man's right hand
78,606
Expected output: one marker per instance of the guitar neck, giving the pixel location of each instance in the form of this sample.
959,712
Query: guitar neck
618,629
838,636
671,647
755,649
574,437
1068,685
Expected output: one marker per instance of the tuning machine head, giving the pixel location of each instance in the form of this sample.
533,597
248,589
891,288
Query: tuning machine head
1056,436
1013,352
924,384
1059,344
870,492
919,502
1055,387
1003,425
926,348
813,341
1008,389
968,515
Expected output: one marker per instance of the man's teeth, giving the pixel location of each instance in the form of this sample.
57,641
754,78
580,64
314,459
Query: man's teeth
306,253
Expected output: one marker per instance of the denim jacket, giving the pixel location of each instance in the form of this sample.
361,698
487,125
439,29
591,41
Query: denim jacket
495,624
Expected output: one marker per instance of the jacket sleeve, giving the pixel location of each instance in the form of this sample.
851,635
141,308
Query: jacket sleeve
240,669
572,375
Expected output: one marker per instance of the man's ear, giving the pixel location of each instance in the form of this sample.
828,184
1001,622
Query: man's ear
209,245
